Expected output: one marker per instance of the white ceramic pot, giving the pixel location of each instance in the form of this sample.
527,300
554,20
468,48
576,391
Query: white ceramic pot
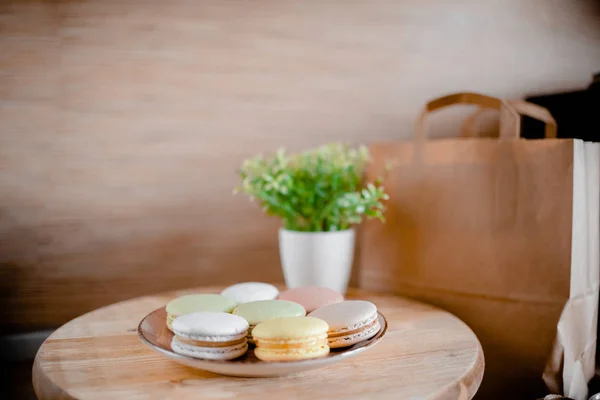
317,258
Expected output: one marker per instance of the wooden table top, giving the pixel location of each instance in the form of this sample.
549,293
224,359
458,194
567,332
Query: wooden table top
427,353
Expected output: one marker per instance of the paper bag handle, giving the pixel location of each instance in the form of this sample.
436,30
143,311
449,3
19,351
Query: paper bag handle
537,112
509,118
522,107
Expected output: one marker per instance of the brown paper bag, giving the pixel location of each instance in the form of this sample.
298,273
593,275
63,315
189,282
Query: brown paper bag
571,364
480,227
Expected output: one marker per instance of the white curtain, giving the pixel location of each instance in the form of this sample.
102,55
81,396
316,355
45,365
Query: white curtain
575,345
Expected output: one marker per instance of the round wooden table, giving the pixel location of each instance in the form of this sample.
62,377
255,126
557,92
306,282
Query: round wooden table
427,353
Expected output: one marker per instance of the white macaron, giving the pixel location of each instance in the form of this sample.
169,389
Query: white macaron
350,322
250,291
210,335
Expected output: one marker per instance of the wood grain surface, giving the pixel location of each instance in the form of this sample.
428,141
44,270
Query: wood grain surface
426,354
122,122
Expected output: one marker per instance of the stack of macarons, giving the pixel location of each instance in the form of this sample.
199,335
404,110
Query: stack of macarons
297,324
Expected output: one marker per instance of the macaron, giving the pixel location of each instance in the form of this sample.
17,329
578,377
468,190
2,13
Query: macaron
250,291
256,312
291,339
198,302
312,297
350,322
210,335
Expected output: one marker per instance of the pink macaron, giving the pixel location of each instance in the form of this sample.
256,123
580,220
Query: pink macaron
312,297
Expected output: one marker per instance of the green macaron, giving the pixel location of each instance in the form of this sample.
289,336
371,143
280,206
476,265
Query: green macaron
198,302
256,312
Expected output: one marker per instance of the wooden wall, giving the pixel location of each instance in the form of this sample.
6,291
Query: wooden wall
122,122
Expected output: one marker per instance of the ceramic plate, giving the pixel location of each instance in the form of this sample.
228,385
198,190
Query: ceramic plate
153,332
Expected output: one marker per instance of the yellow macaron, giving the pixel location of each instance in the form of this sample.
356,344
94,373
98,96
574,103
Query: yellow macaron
291,339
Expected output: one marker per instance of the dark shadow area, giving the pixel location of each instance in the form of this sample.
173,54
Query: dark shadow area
577,113
16,381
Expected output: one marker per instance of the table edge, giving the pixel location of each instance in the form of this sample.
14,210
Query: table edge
458,390
43,386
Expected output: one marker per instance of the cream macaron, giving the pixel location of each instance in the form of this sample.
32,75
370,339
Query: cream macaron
350,322
198,302
291,339
210,335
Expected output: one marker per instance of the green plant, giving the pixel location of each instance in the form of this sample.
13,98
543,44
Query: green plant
317,190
